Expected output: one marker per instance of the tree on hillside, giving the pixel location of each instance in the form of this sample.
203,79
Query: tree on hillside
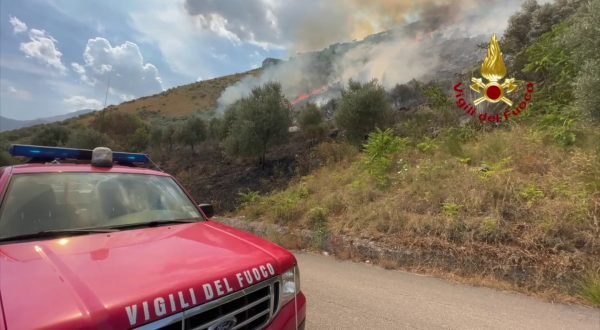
257,122
51,135
116,123
169,135
216,129
192,132
127,131
587,57
362,108
139,139
87,139
310,120
407,95
516,35
542,20
533,20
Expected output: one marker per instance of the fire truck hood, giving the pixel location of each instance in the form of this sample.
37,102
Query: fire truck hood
129,278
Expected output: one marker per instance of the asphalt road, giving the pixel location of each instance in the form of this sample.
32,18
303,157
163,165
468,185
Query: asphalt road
348,295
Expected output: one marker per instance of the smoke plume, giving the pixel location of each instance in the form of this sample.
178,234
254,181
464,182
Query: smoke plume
421,38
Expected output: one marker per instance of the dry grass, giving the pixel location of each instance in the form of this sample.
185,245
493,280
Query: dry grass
517,196
184,100
590,288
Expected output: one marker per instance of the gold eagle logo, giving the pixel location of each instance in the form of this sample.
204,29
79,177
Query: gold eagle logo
493,70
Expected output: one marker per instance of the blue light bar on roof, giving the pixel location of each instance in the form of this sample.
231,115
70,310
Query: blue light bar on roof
39,152
130,158
52,153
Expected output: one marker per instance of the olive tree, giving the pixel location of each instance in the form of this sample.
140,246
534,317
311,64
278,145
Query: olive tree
310,120
363,107
257,122
87,139
51,135
192,132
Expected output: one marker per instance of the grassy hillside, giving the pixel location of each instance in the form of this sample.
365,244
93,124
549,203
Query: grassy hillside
516,204
509,205
176,102
184,100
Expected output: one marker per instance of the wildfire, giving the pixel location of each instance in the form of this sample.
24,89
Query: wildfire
308,95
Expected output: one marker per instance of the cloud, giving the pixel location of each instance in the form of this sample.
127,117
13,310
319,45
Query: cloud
42,47
123,65
186,53
81,102
19,93
18,25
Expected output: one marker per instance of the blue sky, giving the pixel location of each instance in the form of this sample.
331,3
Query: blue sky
57,56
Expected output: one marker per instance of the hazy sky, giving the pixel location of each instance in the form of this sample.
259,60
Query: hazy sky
57,56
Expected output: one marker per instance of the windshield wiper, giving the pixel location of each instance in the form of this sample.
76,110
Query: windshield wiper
57,233
154,223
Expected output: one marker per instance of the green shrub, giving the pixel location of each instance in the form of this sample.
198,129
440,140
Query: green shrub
531,194
489,226
464,160
490,169
285,206
317,217
427,146
248,198
452,209
379,154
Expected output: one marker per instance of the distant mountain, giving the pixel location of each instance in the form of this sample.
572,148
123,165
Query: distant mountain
8,124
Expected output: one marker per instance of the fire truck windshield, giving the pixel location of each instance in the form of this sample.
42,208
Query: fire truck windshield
62,201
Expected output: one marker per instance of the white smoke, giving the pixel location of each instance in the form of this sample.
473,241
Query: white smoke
427,38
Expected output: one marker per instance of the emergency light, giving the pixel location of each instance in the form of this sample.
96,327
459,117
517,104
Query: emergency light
43,154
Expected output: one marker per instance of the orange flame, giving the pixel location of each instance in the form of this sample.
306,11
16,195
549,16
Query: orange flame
312,93
493,67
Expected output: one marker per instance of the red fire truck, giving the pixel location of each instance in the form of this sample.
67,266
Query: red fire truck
97,240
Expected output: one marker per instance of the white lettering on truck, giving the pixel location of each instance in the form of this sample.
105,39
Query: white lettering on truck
132,314
160,308
157,307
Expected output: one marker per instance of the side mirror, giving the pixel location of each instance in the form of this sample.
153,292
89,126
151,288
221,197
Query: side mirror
208,210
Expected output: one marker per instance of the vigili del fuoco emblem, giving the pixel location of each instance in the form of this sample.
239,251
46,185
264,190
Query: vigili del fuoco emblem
493,88
493,69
